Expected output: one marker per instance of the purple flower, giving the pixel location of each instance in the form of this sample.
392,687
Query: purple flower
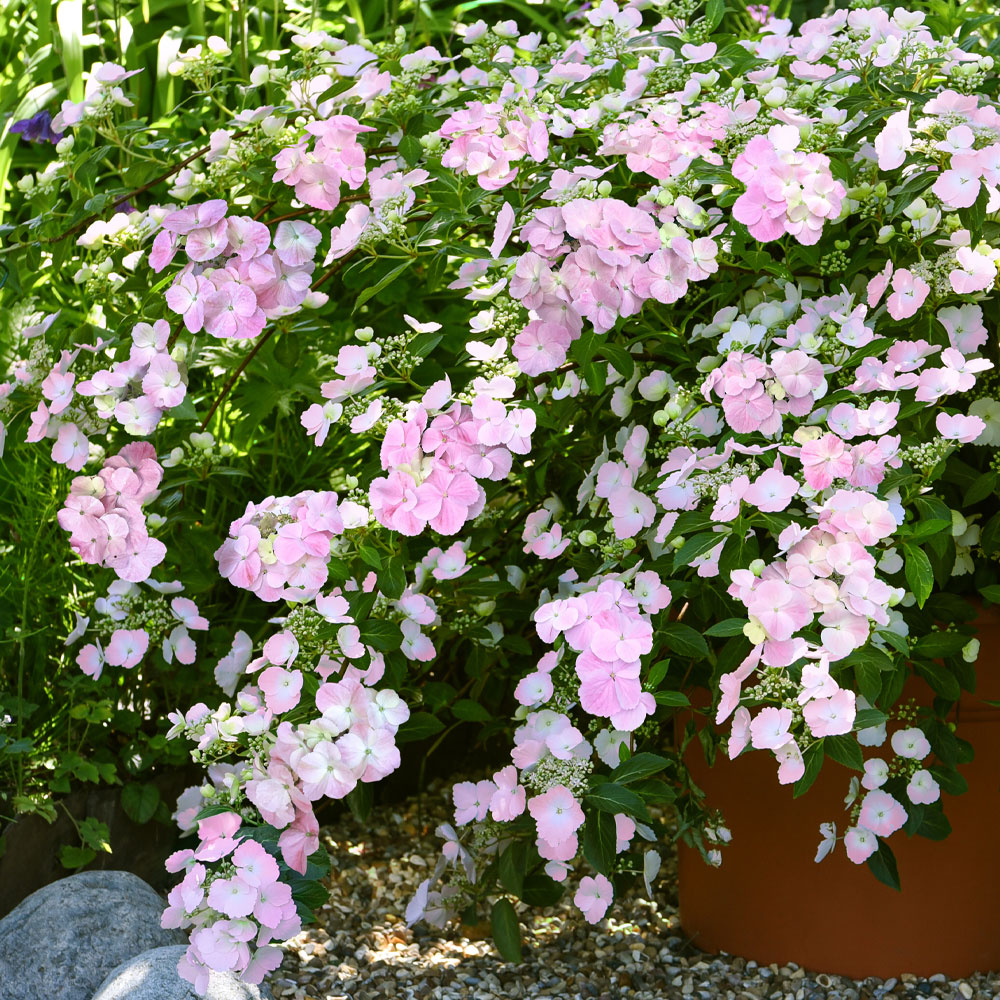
38,128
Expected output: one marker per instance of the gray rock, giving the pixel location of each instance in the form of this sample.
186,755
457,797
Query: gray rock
62,941
153,976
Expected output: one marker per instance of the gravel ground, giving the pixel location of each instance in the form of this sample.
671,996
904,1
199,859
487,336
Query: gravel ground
362,949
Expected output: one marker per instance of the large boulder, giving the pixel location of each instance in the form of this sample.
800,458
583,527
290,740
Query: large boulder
62,941
153,976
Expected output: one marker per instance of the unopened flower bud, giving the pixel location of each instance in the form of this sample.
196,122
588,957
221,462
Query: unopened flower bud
757,567
587,537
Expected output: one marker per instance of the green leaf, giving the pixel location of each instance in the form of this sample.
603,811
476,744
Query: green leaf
506,930
360,799
600,838
470,711
370,556
419,726
940,678
694,547
381,635
512,866
980,489
392,578
938,645
656,674
140,802
410,150
75,857
844,750
991,592
637,767
813,759
919,574
613,798
727,627
868,718
869,681
882,865
672,699
540,890
934,825
383,282
683,640
715,10
620,359
949,779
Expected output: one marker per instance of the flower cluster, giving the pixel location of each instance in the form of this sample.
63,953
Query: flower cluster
436,455
611,258
104,517
279,549
335,158
134,621
234,281
233,902
487,141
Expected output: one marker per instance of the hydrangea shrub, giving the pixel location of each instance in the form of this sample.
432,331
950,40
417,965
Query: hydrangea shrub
652,358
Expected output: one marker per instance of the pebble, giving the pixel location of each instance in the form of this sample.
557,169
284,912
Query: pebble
361,949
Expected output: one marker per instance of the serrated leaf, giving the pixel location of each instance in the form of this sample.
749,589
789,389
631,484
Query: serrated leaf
844,750
727,627
410,150
392,578
882,865
613,798
360,799
506,930
140,802
715,10
383,282
683,640
600,838
672,699
694,547
512,865
540,890
938,645
381,635
71,856
940,678
869,680
620,359
470,711
637,767
813,760
419,726
868,718
919,573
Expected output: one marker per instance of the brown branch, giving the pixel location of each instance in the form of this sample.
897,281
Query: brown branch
174,334
236,374
336,267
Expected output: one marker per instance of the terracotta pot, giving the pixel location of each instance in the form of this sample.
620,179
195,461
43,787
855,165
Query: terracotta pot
771,902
